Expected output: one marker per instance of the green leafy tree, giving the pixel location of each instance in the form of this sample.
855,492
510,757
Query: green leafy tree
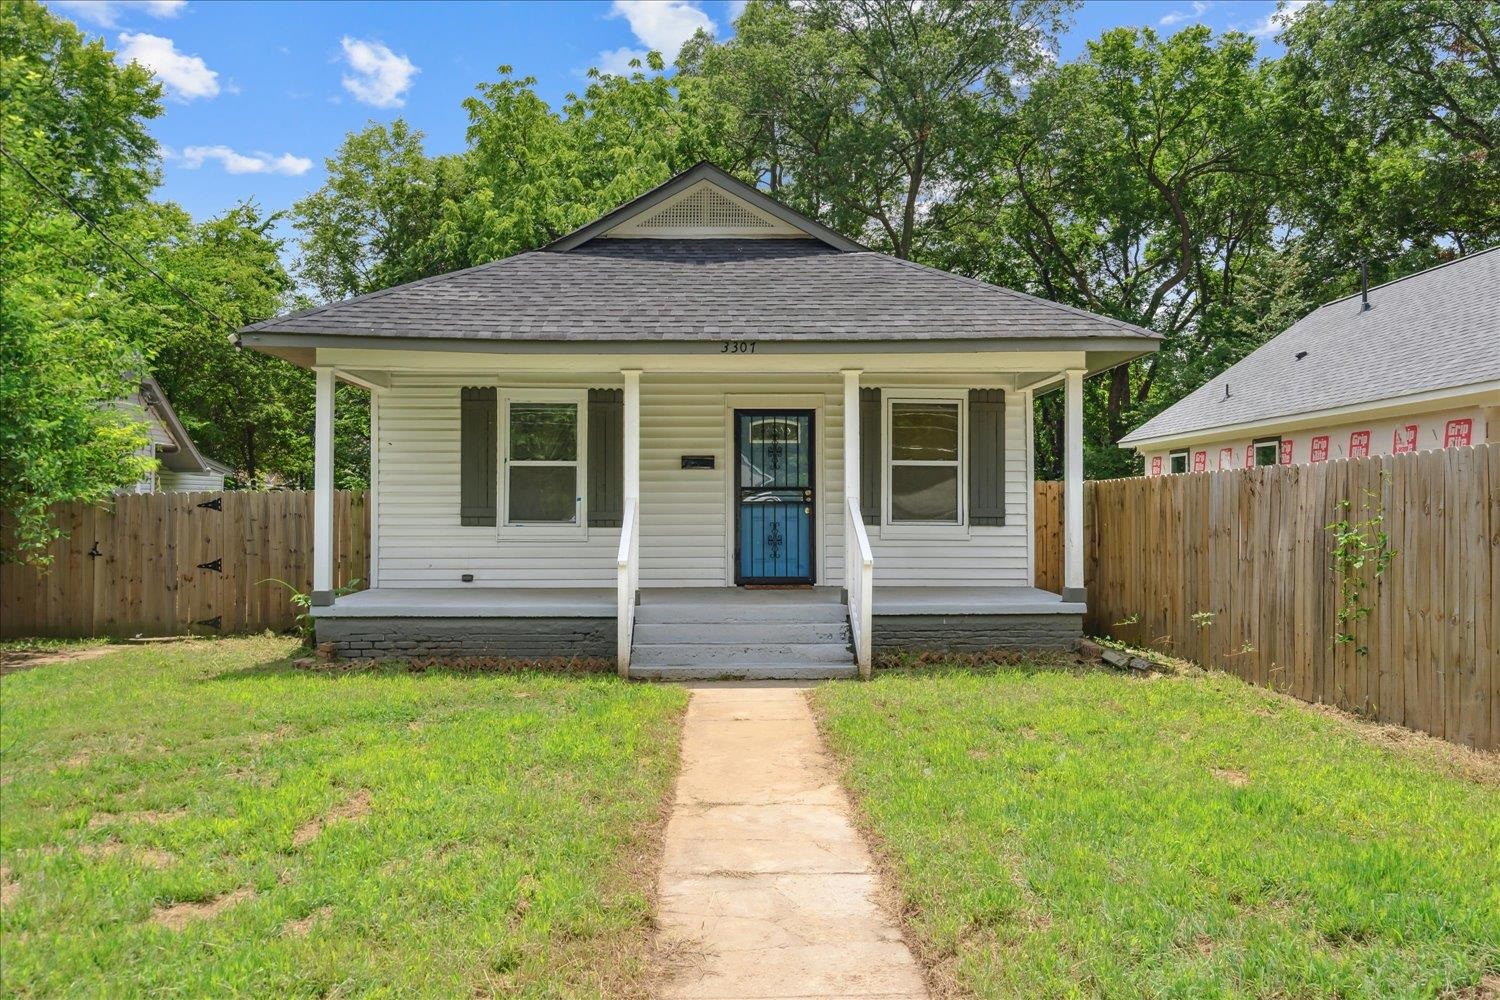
388,213
72,131
1138,182
541,173
864,113
244,408
372,223
1400,104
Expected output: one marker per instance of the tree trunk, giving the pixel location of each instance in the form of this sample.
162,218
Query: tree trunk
1119,398
250,454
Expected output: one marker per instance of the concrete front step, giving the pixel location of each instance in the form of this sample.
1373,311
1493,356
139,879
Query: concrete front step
718,614
757,672
679,654
721,633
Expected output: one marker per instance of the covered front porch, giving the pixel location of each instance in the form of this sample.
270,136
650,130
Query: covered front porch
446,580
446,583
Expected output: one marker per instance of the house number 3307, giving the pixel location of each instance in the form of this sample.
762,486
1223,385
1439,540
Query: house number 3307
738,347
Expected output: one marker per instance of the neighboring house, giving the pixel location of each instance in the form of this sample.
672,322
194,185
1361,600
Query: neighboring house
702,402
1411,366
181,466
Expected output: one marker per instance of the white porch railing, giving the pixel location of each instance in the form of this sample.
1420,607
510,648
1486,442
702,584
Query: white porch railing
627,581
859,576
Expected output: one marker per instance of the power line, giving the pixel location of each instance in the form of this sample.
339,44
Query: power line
68,204
83,265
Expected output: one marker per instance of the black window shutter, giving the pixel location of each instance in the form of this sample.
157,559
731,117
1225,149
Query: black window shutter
986,456
870,456
606,459
477,451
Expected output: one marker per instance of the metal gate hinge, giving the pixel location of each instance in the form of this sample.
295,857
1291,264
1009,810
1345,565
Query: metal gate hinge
217,503
217,621
217,565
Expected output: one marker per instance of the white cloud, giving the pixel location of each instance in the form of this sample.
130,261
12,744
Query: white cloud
185,77
617,61
1178,16
194,157
1278,19
736,8
380,76
660,25
107,13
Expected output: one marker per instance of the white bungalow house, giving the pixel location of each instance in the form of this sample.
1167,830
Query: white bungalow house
1410,365
703,435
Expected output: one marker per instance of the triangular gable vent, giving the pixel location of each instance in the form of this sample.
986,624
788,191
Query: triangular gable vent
704,211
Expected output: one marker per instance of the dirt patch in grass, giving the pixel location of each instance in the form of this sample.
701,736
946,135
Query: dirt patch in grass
357,806
178,915
15,660
9,887
100,819
1231,776
301,928
151,857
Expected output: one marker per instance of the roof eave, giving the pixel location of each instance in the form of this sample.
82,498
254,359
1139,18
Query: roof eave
300,347
1301,419
174,426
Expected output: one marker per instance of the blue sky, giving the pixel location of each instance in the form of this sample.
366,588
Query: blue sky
259,93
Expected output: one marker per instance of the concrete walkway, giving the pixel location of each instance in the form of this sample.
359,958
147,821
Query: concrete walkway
766,888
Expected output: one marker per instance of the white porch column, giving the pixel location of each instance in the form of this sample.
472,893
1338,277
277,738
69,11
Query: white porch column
628,561
322,586
632,433
1028,443
1073,487
851,457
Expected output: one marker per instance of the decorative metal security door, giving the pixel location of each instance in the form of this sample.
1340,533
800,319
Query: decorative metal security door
774,458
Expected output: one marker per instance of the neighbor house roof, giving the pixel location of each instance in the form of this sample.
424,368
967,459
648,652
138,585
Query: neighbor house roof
594,287
1438,329
183,455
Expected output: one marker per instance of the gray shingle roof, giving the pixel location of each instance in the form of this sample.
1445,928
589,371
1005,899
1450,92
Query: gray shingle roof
663,290
1437,329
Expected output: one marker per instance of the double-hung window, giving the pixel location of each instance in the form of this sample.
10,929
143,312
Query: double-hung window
1178,461
1267,451
925,462
543,439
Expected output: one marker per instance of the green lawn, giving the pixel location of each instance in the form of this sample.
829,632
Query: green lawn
1077,833
205,820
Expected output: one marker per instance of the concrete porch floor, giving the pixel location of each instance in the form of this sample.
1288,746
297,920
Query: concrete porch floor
599,602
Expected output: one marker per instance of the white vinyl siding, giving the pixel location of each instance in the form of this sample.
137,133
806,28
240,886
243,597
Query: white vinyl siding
991,555
189,482
686,516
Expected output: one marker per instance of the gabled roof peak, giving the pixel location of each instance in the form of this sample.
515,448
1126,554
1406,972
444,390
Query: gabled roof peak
703,202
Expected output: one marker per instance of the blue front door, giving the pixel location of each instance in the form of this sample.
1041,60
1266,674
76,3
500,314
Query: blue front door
774,457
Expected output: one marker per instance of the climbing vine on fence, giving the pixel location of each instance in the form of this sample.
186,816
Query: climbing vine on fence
1358,545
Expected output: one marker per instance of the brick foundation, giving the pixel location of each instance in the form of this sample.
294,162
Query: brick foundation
976,633
358,638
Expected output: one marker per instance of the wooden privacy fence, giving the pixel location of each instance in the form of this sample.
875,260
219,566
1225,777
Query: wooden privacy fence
169,563
1236,570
